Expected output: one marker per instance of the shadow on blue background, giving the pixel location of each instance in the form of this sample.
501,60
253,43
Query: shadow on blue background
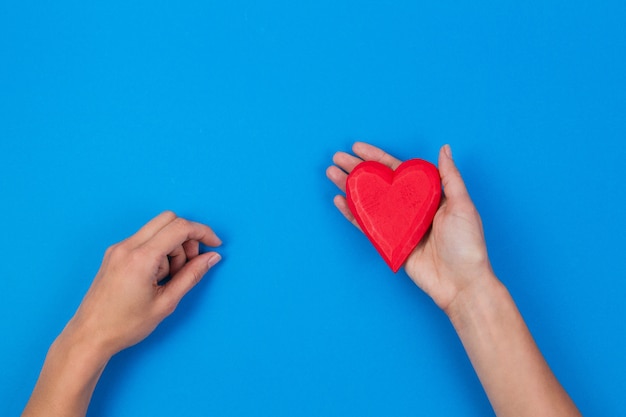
229,115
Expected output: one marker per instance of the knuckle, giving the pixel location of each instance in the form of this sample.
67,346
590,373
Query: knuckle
144,255
139,253
196,276
169,215
181,223
115,251
169,305
108,253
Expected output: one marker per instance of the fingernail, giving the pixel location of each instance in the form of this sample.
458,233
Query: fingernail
214,259
448,151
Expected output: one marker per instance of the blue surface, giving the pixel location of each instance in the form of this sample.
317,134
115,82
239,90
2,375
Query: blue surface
229,114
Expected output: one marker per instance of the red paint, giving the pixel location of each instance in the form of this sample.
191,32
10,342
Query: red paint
394,208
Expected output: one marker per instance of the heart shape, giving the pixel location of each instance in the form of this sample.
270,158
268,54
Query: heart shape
394,208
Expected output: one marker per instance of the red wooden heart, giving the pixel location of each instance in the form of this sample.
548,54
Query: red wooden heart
394,208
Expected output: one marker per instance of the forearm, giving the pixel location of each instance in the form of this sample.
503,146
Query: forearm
514,374
68,378
122,307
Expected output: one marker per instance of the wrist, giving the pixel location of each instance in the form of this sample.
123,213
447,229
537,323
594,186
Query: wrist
82,347
474,300
69,375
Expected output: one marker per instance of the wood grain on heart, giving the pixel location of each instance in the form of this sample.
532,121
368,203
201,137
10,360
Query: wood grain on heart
394,208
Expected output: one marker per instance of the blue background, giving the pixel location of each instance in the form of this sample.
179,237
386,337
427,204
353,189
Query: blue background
229,112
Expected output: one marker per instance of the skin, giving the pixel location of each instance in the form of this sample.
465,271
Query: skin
451,265
126,302
124,305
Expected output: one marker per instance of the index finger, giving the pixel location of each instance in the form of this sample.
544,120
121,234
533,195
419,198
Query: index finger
151,228
178,232
371,153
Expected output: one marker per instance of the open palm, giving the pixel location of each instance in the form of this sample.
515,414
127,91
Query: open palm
452,256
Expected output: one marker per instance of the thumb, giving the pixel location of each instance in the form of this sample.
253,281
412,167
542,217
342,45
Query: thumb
188,276
453,185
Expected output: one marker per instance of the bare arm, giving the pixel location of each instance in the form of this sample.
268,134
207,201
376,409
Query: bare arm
123,306
451,265
514,374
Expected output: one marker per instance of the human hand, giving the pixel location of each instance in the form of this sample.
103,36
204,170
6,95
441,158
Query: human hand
452,256
451,265
125,302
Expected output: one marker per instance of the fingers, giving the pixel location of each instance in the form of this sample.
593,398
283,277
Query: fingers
371,153
346,161
453,185
342,206
163,271
192,249
151,228
338,177
188,276
178,232
172,242
177,259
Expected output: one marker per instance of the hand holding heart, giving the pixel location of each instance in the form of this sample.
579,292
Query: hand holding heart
452,256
